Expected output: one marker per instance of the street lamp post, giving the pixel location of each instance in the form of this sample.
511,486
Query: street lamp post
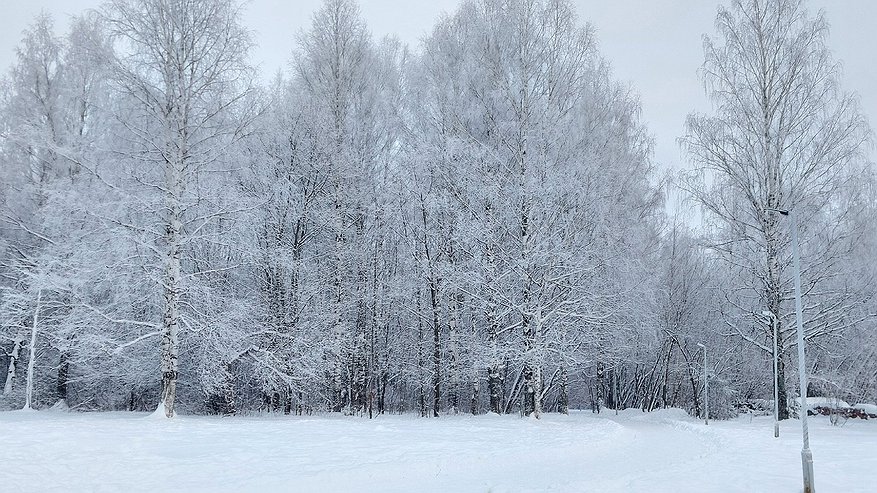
806,455
776,391
706,389
615,390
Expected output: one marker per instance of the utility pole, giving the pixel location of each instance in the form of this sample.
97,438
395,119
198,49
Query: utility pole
806,454
615,389
706,388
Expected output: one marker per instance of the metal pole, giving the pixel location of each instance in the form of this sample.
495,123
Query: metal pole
806,455
615,390
706,389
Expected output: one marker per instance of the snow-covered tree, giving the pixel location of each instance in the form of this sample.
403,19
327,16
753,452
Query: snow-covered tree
546,214
182,66
783,135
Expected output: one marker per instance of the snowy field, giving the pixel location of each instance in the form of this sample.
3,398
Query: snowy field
662,451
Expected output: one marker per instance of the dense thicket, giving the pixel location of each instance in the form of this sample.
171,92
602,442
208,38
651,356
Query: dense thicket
473,226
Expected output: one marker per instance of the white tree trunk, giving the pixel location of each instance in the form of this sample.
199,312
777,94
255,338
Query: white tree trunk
33,352
170,326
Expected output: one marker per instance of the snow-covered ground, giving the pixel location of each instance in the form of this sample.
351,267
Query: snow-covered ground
665,451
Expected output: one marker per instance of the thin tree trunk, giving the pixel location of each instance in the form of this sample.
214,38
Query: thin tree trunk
666,379
563,399
421,395
436,349
473,398
434,306
33,351
494,378
533,365
782,392
63,376
13,362
172,284
63,387
691,379
338,335
452,354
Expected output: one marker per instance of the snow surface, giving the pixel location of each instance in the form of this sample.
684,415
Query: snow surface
664,451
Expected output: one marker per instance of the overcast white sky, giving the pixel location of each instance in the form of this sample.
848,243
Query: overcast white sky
653,44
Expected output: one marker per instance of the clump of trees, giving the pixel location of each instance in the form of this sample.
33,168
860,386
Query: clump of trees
473,226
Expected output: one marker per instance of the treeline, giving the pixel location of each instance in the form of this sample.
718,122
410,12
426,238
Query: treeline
472,226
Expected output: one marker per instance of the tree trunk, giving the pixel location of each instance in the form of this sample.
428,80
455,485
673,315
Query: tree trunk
665,384
338,332
170,323
692,380
13,362
63,387
436,348
421,394
782,393
382,392
63,376
494,378
33,352
452,354
563,398
473,398
533,366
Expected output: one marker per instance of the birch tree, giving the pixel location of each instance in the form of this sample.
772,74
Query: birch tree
783,135
184,64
